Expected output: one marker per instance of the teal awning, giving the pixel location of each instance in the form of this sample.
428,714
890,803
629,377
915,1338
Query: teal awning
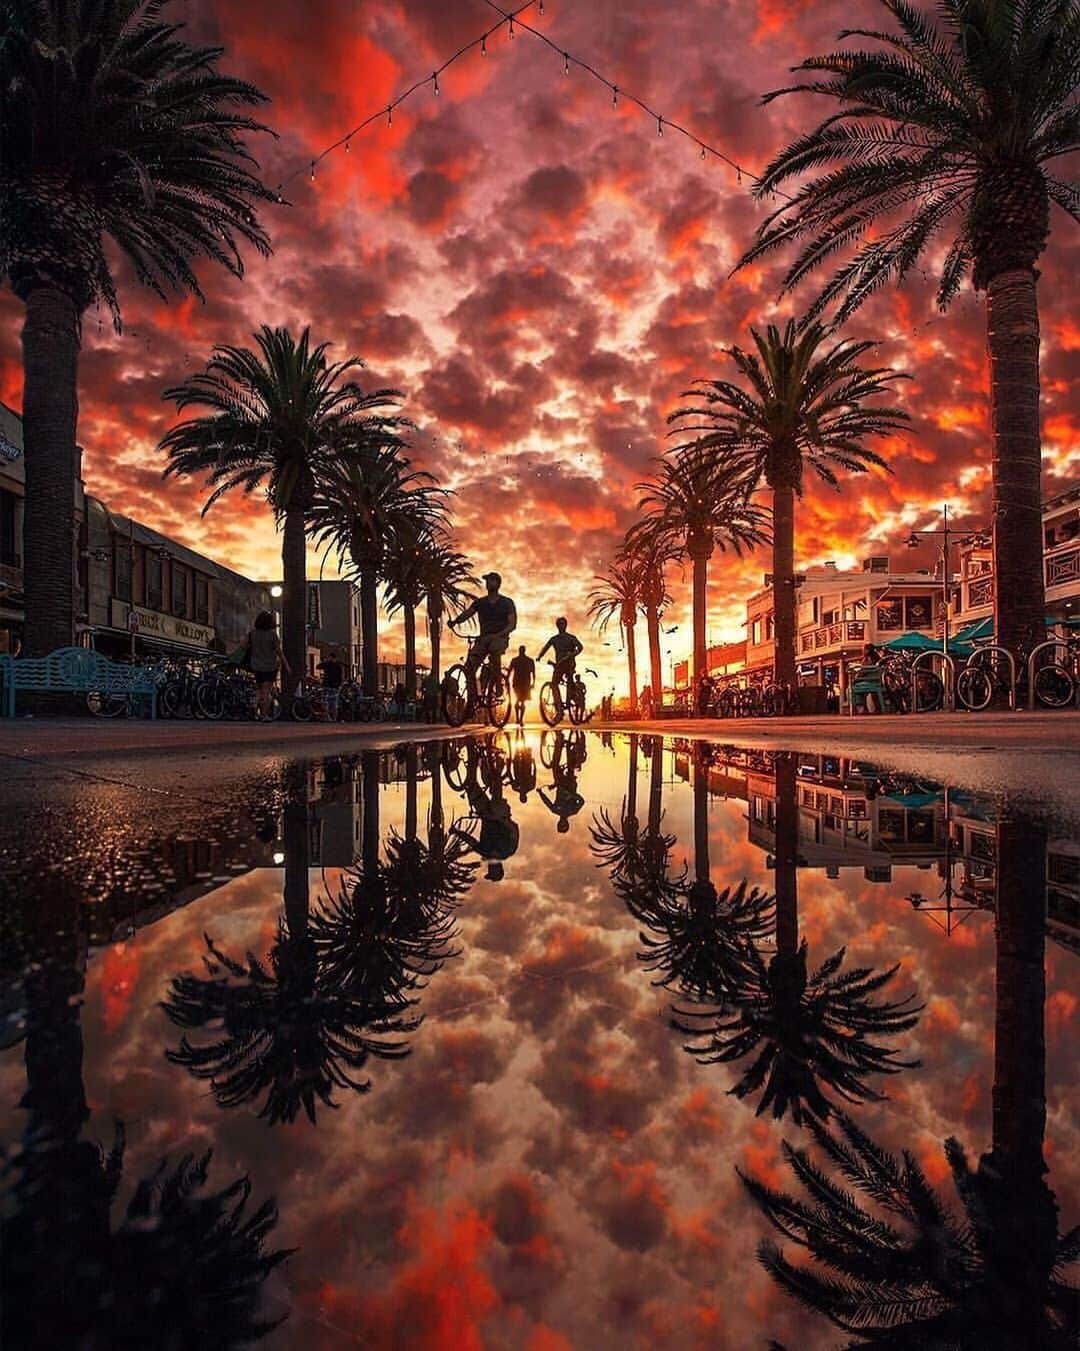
980,631
923,642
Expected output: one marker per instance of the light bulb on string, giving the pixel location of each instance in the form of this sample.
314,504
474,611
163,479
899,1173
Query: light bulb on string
313,171
566,63
659,126
541,8
435,82
512,33
347,146
390,115
614,95
483,45
702,152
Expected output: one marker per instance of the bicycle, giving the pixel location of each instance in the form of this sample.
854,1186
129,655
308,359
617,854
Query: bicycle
985,678
572,704
463,695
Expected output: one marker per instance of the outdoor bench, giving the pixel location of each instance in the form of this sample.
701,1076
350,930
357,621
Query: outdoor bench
72,670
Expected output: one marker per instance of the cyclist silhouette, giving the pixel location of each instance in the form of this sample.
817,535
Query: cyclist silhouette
566,648
497,617
522,677
499,832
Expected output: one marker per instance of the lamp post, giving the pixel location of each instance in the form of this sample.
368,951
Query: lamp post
946,536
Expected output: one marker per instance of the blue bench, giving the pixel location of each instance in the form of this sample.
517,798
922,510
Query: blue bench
73,670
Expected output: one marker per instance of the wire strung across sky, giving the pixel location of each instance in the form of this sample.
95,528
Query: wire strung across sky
511,20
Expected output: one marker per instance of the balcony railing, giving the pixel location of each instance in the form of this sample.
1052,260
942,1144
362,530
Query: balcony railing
1063,567
833,635
980,592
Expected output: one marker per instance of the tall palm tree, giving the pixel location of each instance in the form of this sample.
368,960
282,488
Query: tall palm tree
808,1031
114,128
360,504
446,581
402,571
800,404
617,598
649,557
280,417
891,1260
948,130
694,505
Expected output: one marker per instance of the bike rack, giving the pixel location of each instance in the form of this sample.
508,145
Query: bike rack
996,647
949,685
1050,644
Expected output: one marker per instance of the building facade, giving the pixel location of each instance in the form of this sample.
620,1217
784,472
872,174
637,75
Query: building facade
139,593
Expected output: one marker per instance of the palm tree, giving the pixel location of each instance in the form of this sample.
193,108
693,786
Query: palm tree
402,572
289,1029
446,581
694,505
360,504
808,1031
280,416
617,597
799,404
649,557
948,129
114,128
892,1261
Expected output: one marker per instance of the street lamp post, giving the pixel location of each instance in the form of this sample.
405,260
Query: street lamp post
946,536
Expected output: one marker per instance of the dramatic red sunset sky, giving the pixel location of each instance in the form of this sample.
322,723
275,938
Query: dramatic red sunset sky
542,275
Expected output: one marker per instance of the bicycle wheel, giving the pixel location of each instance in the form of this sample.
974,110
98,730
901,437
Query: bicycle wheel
302,708
170,699
211,699
498,702
929,692
1054,686
378,711
974,688
456,695
549,707
106,705
725,705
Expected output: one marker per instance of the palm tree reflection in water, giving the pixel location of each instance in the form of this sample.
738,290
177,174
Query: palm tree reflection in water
893,1263
340,980
180,1266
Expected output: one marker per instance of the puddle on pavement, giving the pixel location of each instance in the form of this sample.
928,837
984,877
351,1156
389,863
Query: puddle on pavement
533,1042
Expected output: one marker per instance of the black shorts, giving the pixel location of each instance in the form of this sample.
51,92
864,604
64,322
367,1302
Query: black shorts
266,677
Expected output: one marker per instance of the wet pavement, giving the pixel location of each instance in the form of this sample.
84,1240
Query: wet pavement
538,1041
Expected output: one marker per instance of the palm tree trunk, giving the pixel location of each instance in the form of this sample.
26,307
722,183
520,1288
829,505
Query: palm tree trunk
294,599
369,825
1019,1097
51,341
701,577
701,820
369,629
297,861
787,857
656,787
412,776
1012,321
409,615
631,777
656,670
631,663
435,636
783,567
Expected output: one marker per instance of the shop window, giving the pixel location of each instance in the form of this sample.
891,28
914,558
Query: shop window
179,592
755,633
122,569
153,581
202,600
9,545
918,612
770,627
890,616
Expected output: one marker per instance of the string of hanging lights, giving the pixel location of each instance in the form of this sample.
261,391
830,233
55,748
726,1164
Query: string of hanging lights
511,20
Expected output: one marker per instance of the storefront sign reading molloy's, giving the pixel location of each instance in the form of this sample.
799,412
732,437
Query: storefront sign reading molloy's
156,625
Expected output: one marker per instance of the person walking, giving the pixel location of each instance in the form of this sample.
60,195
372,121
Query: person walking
522,678
333,677
266,659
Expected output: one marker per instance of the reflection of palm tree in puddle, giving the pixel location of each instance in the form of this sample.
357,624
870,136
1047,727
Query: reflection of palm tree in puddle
180,1266
334,991
808,1031
895,1264
638,860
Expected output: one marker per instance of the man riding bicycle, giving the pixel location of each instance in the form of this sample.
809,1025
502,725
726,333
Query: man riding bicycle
567,648
497,617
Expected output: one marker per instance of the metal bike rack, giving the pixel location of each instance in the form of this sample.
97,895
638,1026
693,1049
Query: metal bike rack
973,660
1050,644
949,685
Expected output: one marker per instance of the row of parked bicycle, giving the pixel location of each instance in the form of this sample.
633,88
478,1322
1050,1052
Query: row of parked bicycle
903,682
222,691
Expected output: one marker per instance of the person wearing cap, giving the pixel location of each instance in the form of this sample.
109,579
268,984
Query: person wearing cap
497,617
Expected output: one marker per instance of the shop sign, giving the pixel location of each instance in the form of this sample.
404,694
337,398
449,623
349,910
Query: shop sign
154,624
